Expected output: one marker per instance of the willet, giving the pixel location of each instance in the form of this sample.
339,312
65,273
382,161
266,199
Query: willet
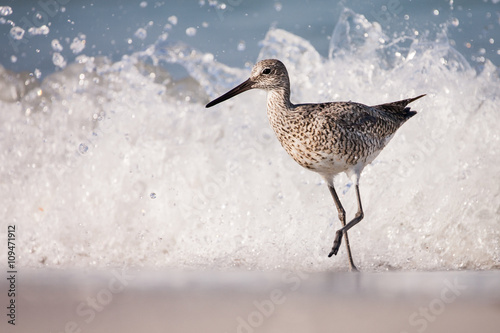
327,138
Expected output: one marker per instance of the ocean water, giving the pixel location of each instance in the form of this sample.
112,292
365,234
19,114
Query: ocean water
110,159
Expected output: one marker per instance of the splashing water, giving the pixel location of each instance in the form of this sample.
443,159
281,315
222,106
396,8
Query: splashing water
17,33
191,31
83,149
141,33
56,45
58,60
78,44
42,30
5,10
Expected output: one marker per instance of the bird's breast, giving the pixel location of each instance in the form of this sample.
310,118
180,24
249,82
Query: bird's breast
322,147
309,148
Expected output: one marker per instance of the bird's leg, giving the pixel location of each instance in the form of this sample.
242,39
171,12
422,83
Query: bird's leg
339,233
343,231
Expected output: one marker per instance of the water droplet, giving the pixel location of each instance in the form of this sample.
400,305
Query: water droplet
56,46
43,30
141,33
208,57
38,73
83,148
152,195
436,12
241,45
17,33
5,10
278,6
411,55
78,44
455,22
191,31
163,37
13,59
173,19
143,4
58,60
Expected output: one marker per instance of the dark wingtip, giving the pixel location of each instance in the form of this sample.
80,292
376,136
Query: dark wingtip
410,113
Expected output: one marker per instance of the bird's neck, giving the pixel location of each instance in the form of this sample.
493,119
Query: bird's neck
278,101
279,114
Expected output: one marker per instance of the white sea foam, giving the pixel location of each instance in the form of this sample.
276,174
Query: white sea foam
110,164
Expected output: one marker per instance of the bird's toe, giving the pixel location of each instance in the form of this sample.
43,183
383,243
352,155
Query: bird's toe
336,243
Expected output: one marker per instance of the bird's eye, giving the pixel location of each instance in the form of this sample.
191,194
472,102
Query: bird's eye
266,71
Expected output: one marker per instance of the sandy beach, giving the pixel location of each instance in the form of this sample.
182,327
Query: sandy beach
173,301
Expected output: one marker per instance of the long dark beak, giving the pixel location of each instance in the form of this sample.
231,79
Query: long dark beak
247,85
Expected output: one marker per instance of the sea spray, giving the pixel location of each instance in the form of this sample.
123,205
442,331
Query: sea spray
83,151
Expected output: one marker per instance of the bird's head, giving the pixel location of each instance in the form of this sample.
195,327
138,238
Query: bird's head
269,74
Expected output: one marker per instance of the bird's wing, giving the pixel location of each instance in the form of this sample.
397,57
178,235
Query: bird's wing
348,116
359,119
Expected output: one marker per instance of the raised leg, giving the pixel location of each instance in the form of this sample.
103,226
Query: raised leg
343,231
338,240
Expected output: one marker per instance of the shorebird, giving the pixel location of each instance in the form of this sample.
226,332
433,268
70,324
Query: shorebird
328,138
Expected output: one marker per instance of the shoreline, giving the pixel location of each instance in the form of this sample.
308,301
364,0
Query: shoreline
118,300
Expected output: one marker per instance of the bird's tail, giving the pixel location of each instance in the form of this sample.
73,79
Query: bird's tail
399,107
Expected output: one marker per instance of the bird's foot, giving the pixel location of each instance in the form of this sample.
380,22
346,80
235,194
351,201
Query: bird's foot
354,268
336,243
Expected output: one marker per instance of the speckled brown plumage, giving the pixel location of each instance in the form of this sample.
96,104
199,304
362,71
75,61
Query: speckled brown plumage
327,138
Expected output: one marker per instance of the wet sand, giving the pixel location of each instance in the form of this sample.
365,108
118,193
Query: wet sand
171,301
